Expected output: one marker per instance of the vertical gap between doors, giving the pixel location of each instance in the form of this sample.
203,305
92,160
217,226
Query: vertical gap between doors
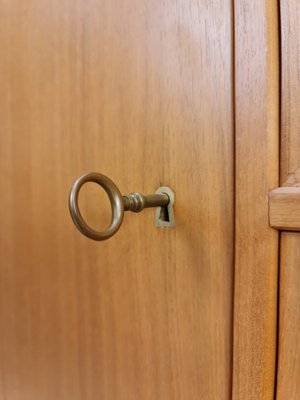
234,186
280,179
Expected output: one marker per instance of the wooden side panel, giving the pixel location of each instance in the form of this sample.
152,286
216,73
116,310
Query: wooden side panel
290,88
288,383
257,143
141,91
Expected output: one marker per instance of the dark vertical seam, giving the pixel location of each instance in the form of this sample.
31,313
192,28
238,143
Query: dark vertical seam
279,173
233,59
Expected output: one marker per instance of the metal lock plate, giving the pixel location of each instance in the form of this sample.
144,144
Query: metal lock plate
164,215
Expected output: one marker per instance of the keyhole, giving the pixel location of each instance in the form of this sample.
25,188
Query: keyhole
164,214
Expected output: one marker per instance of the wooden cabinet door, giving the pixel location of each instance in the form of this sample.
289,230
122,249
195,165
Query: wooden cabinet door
141,91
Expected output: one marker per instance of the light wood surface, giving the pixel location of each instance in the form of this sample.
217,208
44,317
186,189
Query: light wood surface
142,92
288,382
257,142
290,88
293,179
284,208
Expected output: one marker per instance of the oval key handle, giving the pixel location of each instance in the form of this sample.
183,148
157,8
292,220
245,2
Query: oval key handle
135,202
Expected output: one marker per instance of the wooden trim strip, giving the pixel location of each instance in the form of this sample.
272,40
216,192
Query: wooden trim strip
257,170
284,208
288,383
290,89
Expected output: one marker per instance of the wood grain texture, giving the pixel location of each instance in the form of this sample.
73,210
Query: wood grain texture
290,88
292,179
288,383
257,139
284,208
142,92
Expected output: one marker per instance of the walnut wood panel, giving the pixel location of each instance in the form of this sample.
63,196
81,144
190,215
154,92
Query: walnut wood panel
284,208
142,92
288,385
256,100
